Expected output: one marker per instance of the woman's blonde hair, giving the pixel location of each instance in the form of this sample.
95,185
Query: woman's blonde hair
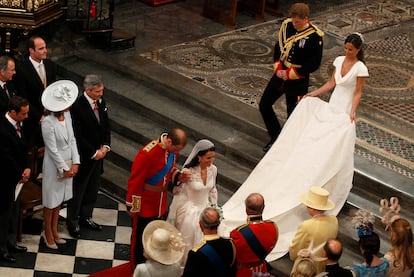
305,267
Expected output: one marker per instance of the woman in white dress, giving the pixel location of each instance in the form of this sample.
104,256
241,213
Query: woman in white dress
61,159
315,148
196,194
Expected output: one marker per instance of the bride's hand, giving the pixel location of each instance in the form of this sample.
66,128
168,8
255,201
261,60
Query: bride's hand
352,116
184,176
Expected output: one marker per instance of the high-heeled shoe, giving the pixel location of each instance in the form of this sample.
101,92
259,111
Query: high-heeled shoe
50,246
60,241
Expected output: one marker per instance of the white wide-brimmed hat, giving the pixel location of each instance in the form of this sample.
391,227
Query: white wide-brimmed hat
59,95
318,199
163,242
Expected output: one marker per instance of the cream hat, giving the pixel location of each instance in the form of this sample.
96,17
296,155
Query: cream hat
59,95
162,242
317,198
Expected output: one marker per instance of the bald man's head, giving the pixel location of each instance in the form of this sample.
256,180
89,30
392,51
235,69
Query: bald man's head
210,219
254,204
333,249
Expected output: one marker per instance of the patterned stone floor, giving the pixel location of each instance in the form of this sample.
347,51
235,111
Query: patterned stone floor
238,64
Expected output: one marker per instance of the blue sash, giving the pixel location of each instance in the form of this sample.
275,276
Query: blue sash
214,258
155,179
253,242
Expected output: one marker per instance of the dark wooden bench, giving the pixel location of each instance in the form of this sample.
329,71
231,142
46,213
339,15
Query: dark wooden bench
122,39
220,13
226,11
31,194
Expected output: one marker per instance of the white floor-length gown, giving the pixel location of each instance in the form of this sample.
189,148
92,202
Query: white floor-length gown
191,203
315,148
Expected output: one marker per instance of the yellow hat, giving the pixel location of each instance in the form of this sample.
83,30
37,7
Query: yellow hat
317,198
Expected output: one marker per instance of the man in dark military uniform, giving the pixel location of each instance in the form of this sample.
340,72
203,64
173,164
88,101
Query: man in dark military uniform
215,256
255,239
297,53
333,251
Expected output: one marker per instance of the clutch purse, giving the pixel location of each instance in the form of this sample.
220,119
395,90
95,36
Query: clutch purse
69,164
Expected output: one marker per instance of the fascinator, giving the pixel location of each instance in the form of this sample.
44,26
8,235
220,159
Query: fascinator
59,95
311,252
201,145
389,208
363,221
305,262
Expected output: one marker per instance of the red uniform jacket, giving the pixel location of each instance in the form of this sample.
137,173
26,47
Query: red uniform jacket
148,162
247,261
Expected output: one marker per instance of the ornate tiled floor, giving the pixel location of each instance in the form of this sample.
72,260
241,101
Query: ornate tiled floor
93,252
239,64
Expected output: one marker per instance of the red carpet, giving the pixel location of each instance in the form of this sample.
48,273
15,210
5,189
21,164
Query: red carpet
123,270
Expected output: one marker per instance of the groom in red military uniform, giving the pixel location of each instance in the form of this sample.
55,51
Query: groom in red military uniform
153,169
255,239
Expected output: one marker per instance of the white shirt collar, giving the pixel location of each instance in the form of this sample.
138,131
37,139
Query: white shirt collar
11,120
211,237
90,100
35,63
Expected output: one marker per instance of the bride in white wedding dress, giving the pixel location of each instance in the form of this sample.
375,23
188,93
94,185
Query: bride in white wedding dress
315,148
195,195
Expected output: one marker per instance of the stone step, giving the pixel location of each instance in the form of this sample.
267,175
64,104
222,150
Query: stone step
114,180
134,124
372,181
240,144
123,152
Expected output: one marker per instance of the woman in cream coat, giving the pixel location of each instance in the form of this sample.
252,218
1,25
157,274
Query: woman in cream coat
61,159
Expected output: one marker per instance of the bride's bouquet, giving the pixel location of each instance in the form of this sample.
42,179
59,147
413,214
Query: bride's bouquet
218,208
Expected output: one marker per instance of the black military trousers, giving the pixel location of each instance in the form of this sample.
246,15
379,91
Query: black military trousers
273,91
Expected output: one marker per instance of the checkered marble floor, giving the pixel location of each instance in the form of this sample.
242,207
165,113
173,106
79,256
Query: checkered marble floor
93,252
